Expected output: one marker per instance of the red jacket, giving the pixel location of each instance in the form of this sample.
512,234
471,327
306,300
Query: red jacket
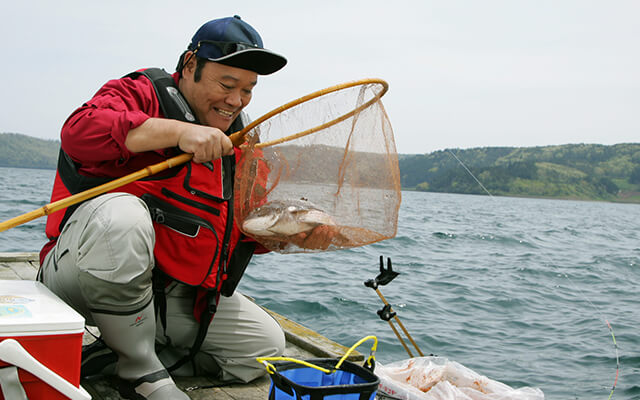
93,137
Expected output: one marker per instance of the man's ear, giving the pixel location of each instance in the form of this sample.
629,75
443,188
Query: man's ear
189,68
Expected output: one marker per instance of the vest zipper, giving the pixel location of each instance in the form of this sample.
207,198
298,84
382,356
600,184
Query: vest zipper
227,238
189,202
163,217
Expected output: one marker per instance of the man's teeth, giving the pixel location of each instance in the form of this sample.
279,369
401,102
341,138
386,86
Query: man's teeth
224,113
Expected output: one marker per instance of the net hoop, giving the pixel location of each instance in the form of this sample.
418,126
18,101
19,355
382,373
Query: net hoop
238,138
310,170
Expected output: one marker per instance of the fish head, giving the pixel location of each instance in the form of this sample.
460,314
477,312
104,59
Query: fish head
285,218
259,225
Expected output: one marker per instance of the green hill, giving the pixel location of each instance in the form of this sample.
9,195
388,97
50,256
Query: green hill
22,151
572,171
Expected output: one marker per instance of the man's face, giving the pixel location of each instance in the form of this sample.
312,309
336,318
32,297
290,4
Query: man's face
220,94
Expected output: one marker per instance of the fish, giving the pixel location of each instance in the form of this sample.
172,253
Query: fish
285,218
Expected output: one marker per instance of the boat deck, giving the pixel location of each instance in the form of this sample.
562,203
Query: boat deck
302,343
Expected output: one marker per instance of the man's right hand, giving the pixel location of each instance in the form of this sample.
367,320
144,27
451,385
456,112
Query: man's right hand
204,142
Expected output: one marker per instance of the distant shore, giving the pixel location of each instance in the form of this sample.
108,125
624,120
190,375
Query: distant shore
572,171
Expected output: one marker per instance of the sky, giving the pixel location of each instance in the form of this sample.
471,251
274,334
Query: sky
461,73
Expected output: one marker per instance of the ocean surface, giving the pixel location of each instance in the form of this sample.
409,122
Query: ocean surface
520,290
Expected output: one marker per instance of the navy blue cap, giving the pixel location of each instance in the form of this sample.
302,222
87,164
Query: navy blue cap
233,42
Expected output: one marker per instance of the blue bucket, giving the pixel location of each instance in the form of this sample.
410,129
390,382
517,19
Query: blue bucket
293,381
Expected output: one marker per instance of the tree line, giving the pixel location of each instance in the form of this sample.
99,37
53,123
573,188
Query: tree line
572,171
22,151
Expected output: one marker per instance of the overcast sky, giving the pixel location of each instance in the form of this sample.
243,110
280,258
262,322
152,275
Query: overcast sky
462,73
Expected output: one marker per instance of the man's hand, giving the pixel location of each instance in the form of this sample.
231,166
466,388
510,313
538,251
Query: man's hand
205,143
318,239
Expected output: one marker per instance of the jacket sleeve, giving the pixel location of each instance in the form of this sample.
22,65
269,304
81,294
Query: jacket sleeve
97,131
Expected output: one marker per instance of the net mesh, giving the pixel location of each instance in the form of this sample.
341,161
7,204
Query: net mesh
338,181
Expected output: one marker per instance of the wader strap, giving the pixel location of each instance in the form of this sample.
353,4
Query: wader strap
205,321
159,284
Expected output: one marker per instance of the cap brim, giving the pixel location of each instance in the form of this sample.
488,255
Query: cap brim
261,61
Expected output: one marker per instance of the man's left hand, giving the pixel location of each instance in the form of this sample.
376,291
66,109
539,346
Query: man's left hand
318,239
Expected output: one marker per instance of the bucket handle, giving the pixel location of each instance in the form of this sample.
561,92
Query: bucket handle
271,369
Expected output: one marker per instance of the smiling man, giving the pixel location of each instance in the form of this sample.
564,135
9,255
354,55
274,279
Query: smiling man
166,247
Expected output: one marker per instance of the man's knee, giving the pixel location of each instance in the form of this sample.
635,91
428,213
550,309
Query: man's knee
274,341
117,234
115,253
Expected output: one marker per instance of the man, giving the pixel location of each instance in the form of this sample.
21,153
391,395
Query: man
102,253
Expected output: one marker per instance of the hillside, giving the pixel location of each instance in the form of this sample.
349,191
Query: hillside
22,151
573,171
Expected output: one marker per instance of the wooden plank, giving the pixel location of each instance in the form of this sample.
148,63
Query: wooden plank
17,257
256,390
200,388
312,341
210,394
6,273
19,265
26,270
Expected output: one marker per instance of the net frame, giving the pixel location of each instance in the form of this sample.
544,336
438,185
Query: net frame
352,113
238,137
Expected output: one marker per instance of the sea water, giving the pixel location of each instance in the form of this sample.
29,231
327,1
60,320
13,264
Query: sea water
520,290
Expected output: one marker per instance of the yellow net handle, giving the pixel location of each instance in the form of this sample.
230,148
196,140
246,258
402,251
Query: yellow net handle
93,192
271,369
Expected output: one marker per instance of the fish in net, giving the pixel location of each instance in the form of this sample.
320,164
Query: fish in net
338,181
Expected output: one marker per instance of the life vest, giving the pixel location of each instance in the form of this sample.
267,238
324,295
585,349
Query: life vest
197,242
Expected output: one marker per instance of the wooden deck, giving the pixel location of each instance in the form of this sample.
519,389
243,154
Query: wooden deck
302,343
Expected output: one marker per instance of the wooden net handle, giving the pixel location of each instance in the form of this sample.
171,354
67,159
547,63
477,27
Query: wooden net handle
98,190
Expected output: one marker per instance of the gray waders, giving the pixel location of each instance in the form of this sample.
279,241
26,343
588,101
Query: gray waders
132,338
101,266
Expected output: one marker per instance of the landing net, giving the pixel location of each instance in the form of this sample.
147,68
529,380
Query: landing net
325,161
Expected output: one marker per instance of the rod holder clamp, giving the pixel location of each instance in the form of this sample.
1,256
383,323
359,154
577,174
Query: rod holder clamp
385,313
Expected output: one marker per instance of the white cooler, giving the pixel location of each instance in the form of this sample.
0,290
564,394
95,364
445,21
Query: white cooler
41,335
